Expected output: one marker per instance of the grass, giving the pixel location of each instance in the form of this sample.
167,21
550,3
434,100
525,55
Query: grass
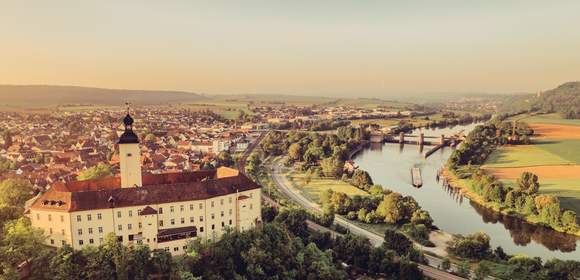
527,155
313,189
228,110
546,119
566,149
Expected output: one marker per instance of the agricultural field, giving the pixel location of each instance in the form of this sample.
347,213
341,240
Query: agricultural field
554,156
312,187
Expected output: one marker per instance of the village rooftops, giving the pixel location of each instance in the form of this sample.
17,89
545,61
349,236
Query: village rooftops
156,189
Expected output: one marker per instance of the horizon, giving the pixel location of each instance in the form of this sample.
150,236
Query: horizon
370,49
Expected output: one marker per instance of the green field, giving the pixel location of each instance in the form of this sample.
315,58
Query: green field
545,119
528,155
313,189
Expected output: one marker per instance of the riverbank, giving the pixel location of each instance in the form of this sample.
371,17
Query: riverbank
466,190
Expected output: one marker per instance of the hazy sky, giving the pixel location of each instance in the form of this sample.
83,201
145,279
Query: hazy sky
292,47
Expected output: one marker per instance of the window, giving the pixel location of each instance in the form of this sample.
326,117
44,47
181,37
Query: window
223,224
171,208
250,195
80,231
61,218
175,249
212,204
191,207
140,226
37,216
222,213
118,214
212,216
80,242
183,220
200,229
230,222
100,229
212,227
191,219
222,201
99,216
160,210
78,218
62,231
230,212
181,208
129,226
138,212
49,217
50,230
90,230
52,241
230,199
160,223
63,242
172,221
130,213
201,218
201,206
250,205
91,241
120,227
89,217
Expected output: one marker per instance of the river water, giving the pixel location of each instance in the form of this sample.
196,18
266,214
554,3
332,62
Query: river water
390,165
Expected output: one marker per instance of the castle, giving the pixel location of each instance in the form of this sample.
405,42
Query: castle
163,211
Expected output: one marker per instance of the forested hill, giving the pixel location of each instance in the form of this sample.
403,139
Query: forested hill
44,95
564,99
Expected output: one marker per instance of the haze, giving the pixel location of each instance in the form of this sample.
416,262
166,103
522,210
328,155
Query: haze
336,48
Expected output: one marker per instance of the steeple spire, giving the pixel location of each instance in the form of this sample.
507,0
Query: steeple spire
128,137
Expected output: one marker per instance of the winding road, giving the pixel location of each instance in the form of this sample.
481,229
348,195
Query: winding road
376,240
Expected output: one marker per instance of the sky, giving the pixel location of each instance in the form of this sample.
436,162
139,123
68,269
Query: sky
331,48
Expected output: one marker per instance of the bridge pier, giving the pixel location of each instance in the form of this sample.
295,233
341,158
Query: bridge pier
421,139
442,140
402,137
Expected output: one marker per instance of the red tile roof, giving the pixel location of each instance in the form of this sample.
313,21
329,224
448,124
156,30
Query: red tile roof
156,189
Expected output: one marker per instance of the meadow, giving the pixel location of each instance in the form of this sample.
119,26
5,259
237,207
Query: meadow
554,156
314,186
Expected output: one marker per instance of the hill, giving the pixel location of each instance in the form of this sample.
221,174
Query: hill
27,96
565,99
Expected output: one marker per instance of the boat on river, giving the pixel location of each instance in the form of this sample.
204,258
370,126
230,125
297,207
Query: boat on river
416,177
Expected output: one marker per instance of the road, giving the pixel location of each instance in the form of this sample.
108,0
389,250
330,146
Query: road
376,240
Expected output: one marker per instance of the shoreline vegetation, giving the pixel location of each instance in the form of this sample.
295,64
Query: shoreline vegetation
521,201
467,190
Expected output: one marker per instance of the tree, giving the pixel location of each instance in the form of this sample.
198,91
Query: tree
481,272
332,167
15,192
528,183
225,159
569,219
361,178
397,242
446,264
473,246
295,151
99,171
67,264
422,217
139,262
162,263
463,269
21,242
294,220
118,254
252,163
150,138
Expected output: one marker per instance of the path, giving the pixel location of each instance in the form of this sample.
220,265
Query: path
375,239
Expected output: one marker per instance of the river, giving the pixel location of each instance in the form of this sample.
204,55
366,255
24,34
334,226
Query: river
390,165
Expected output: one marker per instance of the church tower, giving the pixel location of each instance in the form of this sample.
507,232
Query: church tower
129,155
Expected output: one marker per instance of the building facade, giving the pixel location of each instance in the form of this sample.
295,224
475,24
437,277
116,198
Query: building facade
163,211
